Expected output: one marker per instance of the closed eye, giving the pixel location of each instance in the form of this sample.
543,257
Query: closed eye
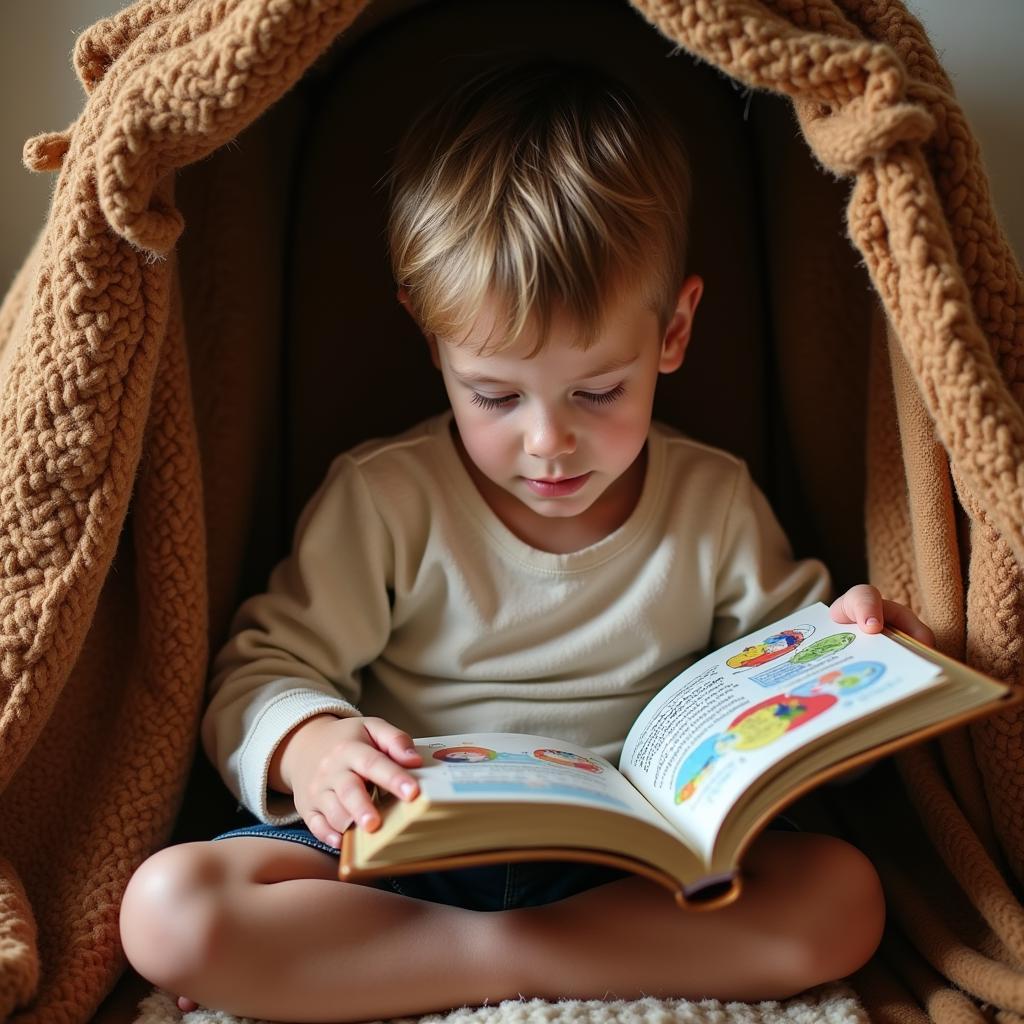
593,397
603,397
486,402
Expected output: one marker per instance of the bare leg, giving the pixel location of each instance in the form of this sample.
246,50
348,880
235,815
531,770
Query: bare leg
261,928
812,910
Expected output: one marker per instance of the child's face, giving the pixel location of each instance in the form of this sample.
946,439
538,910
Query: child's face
555,435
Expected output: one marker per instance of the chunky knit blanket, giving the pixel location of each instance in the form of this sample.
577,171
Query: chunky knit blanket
117,553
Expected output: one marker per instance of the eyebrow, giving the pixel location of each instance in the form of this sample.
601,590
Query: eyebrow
598,371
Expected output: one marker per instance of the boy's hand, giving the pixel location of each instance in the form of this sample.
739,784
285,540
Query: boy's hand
327,761
864,606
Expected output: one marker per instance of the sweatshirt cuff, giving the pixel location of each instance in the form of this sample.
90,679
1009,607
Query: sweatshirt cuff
276,720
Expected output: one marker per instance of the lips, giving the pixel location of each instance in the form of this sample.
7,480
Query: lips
560,488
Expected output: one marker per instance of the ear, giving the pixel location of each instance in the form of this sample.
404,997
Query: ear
403,297
677,334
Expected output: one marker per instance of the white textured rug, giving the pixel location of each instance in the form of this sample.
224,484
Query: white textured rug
828,1004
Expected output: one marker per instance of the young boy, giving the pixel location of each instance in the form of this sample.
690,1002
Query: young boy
541,559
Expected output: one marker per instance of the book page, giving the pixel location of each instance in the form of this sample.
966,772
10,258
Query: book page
495,767
728,718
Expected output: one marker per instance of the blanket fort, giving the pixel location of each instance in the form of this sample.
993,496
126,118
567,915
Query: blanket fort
144,424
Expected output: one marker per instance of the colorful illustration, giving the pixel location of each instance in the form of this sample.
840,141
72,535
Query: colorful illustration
568,759
820,648
771,647
847,679
464,755
471,754
477,771
764,723
699,764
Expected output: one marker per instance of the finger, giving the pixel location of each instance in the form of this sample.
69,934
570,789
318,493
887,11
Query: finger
186,1005
393,741
323,830
349,801
902,618
862,605
337,817
376,767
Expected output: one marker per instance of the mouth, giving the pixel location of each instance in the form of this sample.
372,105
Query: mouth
556,488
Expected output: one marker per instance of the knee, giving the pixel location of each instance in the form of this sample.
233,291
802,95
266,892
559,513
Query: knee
170,914
846,925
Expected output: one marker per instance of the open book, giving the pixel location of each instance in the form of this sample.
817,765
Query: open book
716,754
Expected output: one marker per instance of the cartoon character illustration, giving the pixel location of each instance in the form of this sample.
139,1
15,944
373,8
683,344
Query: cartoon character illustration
771,647
464,755
568,759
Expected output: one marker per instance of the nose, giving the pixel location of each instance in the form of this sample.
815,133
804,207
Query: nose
549,435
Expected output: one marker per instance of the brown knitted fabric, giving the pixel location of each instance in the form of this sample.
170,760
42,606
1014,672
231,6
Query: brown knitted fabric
108,591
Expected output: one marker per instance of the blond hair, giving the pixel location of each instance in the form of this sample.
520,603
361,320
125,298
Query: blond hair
542,185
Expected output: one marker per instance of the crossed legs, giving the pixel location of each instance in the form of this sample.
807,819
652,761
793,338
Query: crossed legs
262,928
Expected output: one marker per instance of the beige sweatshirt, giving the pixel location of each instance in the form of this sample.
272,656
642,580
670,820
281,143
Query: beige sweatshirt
406,598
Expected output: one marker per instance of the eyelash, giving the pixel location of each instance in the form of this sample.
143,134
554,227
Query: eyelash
594,397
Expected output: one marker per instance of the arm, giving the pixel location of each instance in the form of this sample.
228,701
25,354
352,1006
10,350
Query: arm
296,650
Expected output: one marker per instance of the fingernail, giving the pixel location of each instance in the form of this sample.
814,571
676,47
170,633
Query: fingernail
334,839
366,820
871,622
407,788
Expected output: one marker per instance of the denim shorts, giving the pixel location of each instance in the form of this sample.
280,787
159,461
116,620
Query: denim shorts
487,887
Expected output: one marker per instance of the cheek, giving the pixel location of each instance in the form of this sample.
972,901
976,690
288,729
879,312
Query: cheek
485,451
482,436
621,450
625,431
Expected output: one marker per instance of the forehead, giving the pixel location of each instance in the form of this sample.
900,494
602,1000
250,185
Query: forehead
627,325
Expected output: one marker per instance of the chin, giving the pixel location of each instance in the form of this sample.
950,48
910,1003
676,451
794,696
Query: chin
560,513
555,509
